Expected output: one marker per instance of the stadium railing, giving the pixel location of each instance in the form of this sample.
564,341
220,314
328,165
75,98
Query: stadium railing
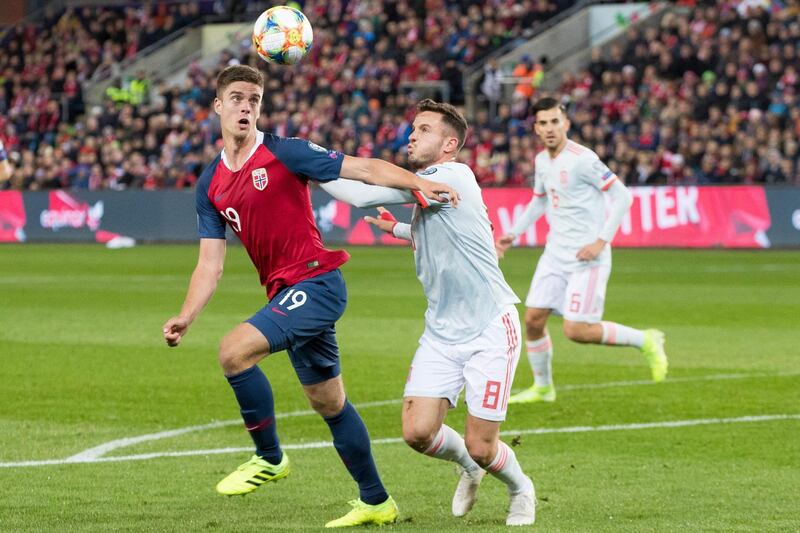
438,90
558,39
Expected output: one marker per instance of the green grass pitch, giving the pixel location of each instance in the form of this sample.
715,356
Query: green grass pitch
82,364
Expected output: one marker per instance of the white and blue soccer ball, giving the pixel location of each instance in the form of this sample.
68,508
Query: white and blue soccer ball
282,35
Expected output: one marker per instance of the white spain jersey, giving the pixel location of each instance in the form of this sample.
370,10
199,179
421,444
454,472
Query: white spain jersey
574,183
453,251
456,260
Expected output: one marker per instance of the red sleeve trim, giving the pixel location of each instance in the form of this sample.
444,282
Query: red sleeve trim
609,184
421,200
537,195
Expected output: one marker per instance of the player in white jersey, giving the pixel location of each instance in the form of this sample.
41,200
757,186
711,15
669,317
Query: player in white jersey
571,277
472,332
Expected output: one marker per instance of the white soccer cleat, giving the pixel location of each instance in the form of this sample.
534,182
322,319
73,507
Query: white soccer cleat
467,491
522,507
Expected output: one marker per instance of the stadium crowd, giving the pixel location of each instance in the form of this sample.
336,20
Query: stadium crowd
43,66
708,96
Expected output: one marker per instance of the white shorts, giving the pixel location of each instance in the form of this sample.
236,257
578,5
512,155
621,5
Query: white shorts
485,365
579,296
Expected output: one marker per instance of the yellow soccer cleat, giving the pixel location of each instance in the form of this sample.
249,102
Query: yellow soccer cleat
653,351
534,394
252,474
362,513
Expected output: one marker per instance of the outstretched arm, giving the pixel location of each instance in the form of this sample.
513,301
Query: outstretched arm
361,195
536,208
379,172
201,287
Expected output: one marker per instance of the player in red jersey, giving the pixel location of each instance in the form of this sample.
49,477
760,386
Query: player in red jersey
258,185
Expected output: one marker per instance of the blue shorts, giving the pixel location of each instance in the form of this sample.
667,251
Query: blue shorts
301,319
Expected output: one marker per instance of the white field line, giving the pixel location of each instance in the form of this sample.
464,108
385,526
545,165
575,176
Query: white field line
101,450
710,377
96,453
510,432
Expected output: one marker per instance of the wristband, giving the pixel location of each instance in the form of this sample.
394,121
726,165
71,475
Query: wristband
386,215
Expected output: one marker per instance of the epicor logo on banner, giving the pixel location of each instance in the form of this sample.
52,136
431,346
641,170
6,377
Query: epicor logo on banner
65,211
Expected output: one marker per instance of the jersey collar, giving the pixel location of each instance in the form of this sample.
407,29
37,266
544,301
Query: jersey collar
259,142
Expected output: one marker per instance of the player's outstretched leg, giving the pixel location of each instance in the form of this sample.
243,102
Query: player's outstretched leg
424,430
351,440
522,495
254,394
650,342
540,356
500,461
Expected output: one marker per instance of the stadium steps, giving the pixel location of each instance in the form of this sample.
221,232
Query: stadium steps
567,40
169,58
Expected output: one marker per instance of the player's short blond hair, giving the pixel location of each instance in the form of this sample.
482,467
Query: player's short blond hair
451,116
236,73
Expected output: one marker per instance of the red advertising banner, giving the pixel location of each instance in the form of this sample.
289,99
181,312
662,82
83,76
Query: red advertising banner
702,217
707,217
12,217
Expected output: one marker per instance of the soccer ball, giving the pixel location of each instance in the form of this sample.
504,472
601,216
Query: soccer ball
282,35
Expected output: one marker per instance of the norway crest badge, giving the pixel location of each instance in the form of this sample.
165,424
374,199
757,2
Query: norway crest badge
260,178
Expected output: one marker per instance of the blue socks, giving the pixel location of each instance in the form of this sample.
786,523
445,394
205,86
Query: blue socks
351,440
254,394
350,436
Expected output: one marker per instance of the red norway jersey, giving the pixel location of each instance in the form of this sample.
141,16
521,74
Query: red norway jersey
267,203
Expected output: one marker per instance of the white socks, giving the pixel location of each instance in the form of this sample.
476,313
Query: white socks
506,468
450,446
620,335
540,356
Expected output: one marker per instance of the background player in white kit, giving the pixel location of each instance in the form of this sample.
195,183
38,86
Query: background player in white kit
472,330
572,274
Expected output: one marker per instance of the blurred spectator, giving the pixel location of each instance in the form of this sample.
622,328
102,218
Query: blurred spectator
344,95
709,96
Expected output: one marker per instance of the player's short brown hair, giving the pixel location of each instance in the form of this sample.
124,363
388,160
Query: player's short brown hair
546,104
236,73
451,116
